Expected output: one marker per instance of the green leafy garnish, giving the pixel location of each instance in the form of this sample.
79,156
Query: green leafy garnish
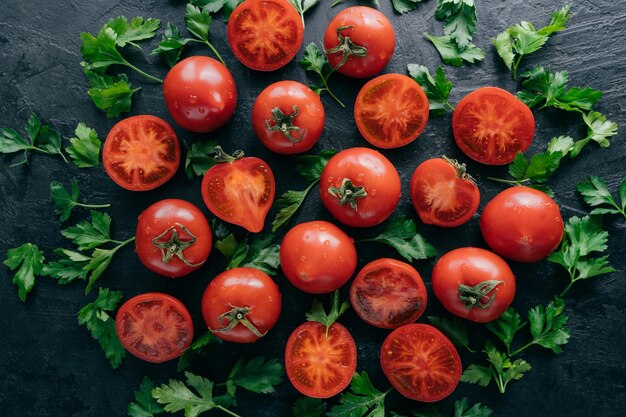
454,328
461,409
437,88
318,313
69,266
85,147
113,94
596,194
599,130
452,54
257,375
64,201
90,234
308,407
28,260
506,327
144,405
362,400
314,60
404,6
260,253
303,6
196,348
547,326
200,157
41,138
214,6
134,31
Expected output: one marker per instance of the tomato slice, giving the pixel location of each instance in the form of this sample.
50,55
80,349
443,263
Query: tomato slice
491,126
391,111
317,365
141,153
155,327
420,362
265,34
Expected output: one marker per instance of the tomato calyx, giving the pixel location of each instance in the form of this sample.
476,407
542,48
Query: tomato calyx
348,193
460,168
174,246
346,48
222,157
473,296
283,123
234,317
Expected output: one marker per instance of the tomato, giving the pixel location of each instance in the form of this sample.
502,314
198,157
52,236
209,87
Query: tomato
522,224
443,193
155,327
391,111
173,238
388,294
317,257
359,42
265,34
241,305
141,153
474,284
318,365
288,117
200,94
491,126
360,187
420,362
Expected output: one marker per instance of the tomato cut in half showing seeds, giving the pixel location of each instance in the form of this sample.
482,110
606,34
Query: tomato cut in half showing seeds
155,327
320,365
141,153
391,111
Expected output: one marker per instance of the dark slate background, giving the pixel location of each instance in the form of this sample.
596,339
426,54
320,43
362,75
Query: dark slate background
52,367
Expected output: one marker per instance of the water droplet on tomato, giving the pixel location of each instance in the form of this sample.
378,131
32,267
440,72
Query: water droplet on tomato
360,177
176,104
201,110
327,243
307,236
193,99
302,258
373,192
147,230
341,259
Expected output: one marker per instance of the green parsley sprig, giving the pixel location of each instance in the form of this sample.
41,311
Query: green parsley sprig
303,6
363,399
454,328
85,147
595,193
41,138
28,260
144,405
64,201
405,6
200,157
309,407
315,61
215,6
462,408
437,88
258,252
318,313
197,347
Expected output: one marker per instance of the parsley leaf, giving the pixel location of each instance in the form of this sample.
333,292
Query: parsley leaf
315,61
506,327
596,194
41,138
258,375
206,339
462,409
261,253
404,6
88,235
454,328
28,260
171,45
308,407
459,18
135,30
437,89
537,170
176,396
113,94
401,234
363,399
70,266
64,201
318,313
144,405
200,157
214,6
547,325
85,147
452,54
303,6
599,129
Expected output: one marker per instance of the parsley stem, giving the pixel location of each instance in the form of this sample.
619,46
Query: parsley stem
227,411
526,346
449,105
327,88
336,2
93,206
145,74
567,288
515,65
212,48
34,148
512,182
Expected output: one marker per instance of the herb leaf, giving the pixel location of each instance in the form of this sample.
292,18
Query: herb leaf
401,234
363,399
176,396
404,6
315,61
308,407
318,313
437,89
454,328
459,18
547,325
200,157
302,6
85,147
599,129
69,267
171,45
28,260
258,375
506,327
144,405
452,54
462,409
88,235
596,194
113,94
196,347
64,201
261,253
135,30
42,138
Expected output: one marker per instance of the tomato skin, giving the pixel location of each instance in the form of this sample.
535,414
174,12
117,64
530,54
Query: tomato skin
388,293
522,224
472,266
200,94
317,257
310,119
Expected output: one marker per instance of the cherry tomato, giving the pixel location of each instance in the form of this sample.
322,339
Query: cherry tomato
173,238
420,362
443,193
391,111
317,257
265,34
155,327
360,187
288,117
200,94
141,153
522,224
474,284
388,294
491,126
359,41
241,305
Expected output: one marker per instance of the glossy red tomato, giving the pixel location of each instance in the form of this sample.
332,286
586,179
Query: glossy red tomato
443,193
173,238
200,94
317,257
241,305
421,362
491,126
155,327
474,284
359,41
522,224
141,153
388,294
391,111
265,34
288,117
360,187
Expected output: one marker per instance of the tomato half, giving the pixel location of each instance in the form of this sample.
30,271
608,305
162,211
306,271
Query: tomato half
173,238
265,34
155,327
522,224
443,193
318,365
387,293
391,111
491,126
141,153
421,362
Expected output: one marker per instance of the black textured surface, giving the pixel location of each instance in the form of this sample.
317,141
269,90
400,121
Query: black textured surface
51,367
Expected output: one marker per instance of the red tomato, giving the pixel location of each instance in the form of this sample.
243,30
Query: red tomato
317,257
474,284
241,305
391,111
522,224
320,365
443,193
173,238
359,41
155,327
265,34
491,126
360,187
288,117
388,294
420,362
141,153
200,94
